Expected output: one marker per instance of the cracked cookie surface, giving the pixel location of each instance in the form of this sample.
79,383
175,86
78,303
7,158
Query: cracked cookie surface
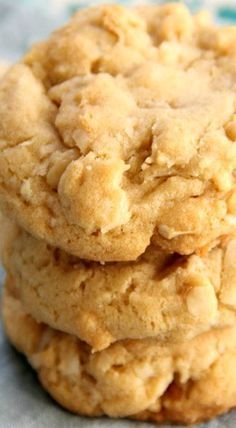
119,130
169,297
139,379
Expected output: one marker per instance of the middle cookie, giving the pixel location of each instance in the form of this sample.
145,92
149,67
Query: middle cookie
170,297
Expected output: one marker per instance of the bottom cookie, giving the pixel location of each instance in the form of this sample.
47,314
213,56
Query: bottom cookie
141,379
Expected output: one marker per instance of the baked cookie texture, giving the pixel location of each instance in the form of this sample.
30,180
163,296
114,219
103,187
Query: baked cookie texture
169,297
119,130
141,379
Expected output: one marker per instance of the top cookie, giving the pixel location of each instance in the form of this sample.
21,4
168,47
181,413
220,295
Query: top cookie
120,130
3,68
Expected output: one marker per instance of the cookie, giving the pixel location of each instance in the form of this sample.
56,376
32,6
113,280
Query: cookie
142,379
172,298
119,130
3,69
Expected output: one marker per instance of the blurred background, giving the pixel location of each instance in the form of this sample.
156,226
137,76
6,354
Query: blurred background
23,22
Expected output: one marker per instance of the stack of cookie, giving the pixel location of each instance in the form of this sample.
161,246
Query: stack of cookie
117,184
